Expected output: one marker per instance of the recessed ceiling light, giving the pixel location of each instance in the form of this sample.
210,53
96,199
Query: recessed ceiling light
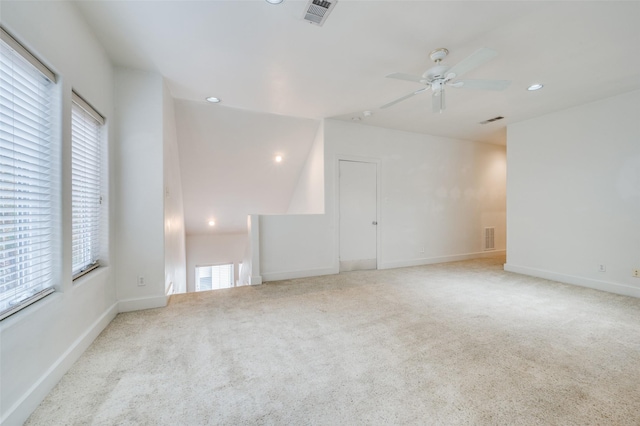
278,158
274,1
213,100
536,86
211,223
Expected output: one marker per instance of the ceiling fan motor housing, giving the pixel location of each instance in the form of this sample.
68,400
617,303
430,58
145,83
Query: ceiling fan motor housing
436,73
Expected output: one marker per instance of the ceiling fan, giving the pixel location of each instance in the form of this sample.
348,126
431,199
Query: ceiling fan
438,77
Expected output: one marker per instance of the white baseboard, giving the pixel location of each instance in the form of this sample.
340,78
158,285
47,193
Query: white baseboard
22,409
129,305
610,287
287,275
303,273
440,259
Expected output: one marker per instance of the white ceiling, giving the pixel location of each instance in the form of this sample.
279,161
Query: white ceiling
278,75
265,58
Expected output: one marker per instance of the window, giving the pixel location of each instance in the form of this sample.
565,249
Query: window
86,178
26,223
214,277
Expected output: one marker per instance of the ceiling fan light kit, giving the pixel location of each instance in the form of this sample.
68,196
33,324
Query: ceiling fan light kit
441,75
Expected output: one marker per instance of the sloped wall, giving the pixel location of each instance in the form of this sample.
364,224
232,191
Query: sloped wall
227,163
308,195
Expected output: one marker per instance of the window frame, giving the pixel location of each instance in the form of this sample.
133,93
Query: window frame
28,76
95,243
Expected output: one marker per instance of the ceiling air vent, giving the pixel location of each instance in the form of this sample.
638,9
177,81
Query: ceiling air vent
318,10
491,120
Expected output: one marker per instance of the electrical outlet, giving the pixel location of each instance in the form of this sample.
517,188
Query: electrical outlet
141,281
603,268
636,273
422,250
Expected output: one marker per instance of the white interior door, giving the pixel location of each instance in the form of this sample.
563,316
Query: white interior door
358,215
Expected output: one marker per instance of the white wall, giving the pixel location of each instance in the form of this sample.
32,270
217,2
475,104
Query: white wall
574,195
308,195
437,196
294,246
39,343
213,249
174,234
140,189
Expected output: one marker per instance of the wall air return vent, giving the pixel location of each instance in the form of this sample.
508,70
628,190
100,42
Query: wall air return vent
318,10
491,120
489,238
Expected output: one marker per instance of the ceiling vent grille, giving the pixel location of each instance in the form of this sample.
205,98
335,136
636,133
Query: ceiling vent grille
318,10
491,120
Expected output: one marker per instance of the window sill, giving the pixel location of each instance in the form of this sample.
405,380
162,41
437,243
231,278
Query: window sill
90,275
86,271
29,311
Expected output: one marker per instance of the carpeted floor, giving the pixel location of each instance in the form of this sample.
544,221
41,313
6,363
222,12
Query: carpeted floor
456,343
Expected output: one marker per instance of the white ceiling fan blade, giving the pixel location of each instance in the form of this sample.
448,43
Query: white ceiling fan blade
403,98
472,61
407,77
482,84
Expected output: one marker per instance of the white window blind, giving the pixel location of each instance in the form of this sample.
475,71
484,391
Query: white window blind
214,277
25,178
86,177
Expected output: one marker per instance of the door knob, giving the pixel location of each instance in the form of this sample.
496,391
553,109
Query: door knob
374,222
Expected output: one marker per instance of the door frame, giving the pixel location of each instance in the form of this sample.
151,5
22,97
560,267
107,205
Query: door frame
336,206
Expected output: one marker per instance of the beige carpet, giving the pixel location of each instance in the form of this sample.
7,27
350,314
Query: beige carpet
457,343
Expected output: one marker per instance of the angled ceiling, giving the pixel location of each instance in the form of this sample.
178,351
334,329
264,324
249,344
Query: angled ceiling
228,167
266,58
279,75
